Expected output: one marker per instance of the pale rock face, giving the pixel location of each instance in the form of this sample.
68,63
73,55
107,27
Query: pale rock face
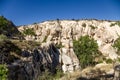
108,68
29,37
67,60
99,69
64,31
108,51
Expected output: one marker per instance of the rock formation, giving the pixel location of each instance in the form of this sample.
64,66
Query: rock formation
33,64
63,32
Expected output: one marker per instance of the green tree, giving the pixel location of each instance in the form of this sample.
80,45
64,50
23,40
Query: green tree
3,22
3,72
86,49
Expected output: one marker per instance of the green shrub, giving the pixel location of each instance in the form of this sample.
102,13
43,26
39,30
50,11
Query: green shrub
109,60
112,24
45,39
59,73
3,37
29,31
3,23
8,28
100,61
46,76
3,72
118,59
84,25
92,27
117,45
59,45
116,23
86,49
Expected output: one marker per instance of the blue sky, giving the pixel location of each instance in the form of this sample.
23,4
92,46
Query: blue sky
23,12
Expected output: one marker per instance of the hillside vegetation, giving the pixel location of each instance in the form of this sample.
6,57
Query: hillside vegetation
8,28
86,49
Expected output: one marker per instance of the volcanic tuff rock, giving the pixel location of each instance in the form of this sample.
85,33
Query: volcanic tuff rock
63,32
34,63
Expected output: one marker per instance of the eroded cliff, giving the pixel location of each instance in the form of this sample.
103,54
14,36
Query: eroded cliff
63,32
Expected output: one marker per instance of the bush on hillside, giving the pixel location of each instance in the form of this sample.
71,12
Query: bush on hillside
3,22
59,46
93,27
3,72
117,45
7,27
3,37
86,49
84,25
116,23
29,31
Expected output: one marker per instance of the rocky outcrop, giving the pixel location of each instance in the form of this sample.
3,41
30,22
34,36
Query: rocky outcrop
63,32
101,71
117,72
30,65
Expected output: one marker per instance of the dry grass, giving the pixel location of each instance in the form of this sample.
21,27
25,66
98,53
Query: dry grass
90,73
71,76
23,44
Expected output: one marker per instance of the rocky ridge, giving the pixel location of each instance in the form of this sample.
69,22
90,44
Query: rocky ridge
63,32
33,64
